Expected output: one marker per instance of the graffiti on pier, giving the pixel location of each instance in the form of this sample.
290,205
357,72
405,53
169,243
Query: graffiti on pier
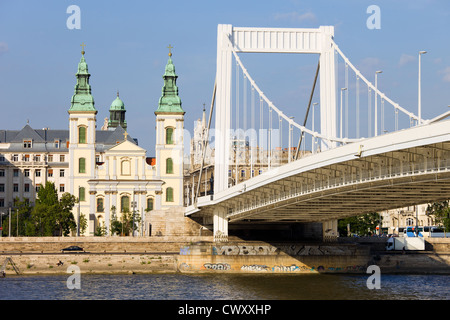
291,268
292,250
255,267
184,267
184,251
235,250
217,266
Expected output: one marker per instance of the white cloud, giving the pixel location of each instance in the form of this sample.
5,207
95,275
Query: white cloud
405,59
296,17
3,47
446,73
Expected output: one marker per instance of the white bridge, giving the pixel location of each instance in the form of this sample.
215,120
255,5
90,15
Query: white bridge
344,175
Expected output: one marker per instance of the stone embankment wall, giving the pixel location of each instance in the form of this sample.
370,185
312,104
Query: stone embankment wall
163,244
201,254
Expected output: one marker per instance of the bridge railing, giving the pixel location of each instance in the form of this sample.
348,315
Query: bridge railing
376,174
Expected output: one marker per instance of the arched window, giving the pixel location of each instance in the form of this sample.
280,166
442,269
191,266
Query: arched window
82,165
124,204
169,194
81,134
81,194
169,135
169,165
149,204
100,207
126,168
410,222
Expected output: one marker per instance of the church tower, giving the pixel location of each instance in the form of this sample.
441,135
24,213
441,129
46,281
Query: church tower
117,114
82,123
169,139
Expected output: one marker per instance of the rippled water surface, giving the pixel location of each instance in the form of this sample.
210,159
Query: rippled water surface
223,286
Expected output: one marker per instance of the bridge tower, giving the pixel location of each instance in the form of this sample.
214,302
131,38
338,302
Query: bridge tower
267,40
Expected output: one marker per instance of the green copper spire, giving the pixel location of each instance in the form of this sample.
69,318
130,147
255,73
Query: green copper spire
82,99
170,101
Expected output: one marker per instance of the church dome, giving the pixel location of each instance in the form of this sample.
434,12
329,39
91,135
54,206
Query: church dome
117,104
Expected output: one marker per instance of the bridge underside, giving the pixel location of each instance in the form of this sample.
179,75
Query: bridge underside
358,185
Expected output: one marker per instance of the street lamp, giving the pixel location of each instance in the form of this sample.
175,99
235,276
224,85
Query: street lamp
313,138
420,89
342,90
376,100
291,138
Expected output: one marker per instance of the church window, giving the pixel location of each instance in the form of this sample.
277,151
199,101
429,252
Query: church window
124,204
169,194
169,165
82,135
81,194
100,205
169,135
82,165
149,204
126,168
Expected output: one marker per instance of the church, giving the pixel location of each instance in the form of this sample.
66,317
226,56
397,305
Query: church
105,169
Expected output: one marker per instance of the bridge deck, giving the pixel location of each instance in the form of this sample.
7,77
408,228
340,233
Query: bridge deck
399,169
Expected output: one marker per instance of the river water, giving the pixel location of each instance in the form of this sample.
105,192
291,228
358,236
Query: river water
225,286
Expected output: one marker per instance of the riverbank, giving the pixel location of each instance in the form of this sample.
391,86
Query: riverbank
120,255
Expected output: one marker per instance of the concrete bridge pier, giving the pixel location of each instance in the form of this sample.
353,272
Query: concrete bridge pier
220,224
330,230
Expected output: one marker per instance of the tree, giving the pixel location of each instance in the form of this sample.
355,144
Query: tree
362,225
83,223
127,223
20,219
440,211
53,217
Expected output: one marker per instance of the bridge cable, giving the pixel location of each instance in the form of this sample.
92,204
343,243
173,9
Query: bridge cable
307,110
205,143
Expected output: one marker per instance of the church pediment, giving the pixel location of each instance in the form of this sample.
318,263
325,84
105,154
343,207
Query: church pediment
126,147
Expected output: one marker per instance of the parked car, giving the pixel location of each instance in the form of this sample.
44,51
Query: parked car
72,249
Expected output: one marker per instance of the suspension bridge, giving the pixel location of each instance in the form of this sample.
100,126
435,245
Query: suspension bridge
341,173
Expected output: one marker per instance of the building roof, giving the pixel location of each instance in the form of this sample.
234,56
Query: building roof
43,140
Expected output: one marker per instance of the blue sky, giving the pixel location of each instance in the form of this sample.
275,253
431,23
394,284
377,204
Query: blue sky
126,50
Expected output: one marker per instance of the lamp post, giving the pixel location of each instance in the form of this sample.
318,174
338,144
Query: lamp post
290,139
342,90
313,138
419,90
376,101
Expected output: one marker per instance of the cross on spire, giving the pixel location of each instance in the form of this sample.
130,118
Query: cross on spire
125,134
82,45
170,50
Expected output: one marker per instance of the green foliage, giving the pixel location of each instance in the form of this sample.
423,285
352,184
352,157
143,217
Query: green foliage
126,224
49,216
441,213
364,225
